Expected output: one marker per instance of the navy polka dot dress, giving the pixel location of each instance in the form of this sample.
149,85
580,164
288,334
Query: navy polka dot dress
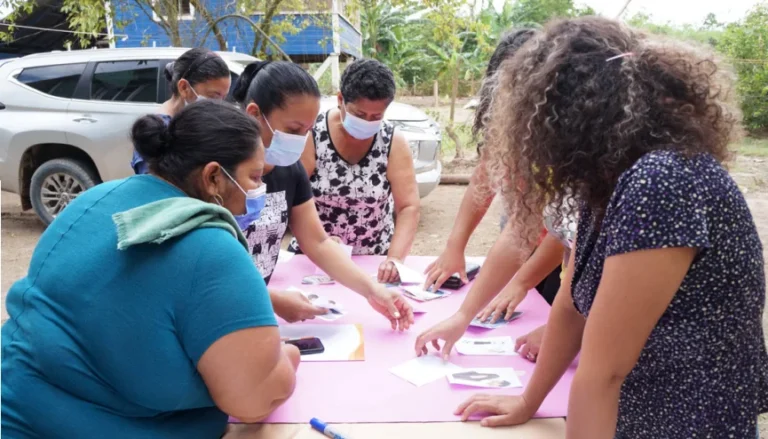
703,372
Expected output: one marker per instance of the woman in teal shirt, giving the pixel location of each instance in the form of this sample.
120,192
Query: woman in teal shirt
168,335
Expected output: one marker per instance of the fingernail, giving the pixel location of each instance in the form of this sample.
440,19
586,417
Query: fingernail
397,315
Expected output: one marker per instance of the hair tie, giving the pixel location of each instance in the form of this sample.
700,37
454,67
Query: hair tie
625,54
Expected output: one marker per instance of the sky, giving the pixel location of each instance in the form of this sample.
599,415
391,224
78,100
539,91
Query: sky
674,11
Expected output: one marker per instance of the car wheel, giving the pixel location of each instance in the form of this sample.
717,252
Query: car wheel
57,182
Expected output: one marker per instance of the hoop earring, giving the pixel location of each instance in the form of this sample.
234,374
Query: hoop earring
217,198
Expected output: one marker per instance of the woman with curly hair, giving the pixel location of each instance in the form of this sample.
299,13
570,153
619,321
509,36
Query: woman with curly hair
665,290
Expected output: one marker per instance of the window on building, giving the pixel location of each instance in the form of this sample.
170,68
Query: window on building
125,81
163,8
59,80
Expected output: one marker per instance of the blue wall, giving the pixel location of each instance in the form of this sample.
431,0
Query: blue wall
314,38
351,40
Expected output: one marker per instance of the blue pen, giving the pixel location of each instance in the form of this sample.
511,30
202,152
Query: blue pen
324,429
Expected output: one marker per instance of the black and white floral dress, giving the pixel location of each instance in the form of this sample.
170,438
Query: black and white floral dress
354,200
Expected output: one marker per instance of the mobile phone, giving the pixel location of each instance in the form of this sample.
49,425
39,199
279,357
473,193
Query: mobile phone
454,282
308,345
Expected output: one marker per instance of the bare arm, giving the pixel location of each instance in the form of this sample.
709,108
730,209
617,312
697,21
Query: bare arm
248,374
635,290
309,156
501,264
402,177
561,343
326,254
473,207
548,255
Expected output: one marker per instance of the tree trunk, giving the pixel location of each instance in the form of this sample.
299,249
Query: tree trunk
210,20
266,24
454,94
456,141
435,89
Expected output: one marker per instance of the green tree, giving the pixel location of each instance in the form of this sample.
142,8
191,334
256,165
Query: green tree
746,42
89,18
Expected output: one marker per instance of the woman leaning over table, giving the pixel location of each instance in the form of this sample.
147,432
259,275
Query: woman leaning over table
361,170
665,289
284,100
135,321
198,74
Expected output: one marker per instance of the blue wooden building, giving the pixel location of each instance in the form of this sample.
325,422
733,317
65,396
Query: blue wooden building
325,33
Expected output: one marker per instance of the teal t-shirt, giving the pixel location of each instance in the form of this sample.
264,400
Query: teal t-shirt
103,343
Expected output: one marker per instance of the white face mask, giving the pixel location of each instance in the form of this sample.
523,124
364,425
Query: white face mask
198,98
360,128
285,149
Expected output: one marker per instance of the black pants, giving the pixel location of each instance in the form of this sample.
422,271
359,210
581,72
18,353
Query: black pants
549,286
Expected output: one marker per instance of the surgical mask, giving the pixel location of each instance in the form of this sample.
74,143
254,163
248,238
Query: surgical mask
255,199
360,128
198,98
285,148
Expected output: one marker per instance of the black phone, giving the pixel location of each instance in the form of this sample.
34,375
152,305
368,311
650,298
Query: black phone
308,345
454,282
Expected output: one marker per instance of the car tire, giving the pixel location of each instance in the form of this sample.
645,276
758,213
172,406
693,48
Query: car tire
57,182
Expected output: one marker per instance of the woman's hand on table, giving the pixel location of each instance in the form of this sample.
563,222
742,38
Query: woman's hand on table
530,344
388,272
393,306
449,262
506,410
449,330
292,307
503,305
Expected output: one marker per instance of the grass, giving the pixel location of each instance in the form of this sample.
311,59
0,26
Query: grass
749,146
753,147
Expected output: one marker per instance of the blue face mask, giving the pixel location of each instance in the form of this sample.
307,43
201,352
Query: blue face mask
360,128
285,148
255,199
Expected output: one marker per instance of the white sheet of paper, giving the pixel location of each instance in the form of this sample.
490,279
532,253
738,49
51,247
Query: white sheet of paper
487,377
486,346
416,292
284,256
342,342
409,275
423,370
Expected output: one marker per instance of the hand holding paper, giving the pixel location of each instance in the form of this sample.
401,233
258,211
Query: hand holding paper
293,306
325,308
409,275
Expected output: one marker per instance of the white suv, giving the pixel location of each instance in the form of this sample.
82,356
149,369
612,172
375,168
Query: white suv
65,119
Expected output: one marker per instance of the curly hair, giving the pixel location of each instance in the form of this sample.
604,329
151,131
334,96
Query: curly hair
369,79
582,101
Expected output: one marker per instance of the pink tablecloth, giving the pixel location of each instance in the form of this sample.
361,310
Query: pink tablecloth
365,391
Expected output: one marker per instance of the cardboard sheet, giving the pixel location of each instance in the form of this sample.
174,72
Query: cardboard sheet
366,391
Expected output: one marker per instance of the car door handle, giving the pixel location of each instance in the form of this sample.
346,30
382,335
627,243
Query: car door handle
85,118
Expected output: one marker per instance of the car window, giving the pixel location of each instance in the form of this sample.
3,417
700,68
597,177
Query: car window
125,81
59,81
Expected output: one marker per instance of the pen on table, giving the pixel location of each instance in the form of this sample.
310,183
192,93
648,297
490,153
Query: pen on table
323,428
